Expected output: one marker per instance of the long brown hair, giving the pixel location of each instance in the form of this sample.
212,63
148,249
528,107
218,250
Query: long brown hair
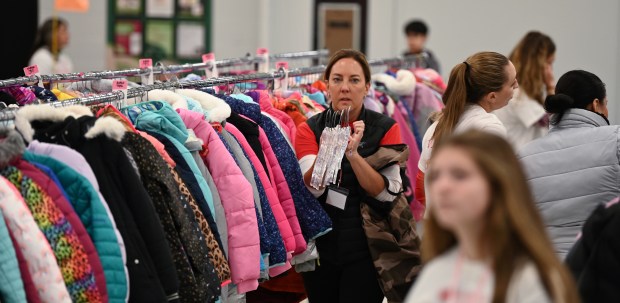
514,229
46,33
530,57
469,82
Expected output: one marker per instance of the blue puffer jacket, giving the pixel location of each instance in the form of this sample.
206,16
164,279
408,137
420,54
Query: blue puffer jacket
313,219
89,208
11,286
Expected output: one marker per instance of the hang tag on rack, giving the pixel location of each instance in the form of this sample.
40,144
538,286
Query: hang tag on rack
121,85
33,70
147,64
210,60
282,83
263,54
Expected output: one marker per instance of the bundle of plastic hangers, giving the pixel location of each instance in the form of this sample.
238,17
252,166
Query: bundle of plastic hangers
333,143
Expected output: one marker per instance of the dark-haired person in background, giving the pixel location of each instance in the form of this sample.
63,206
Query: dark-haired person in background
576,166
417,34
52,38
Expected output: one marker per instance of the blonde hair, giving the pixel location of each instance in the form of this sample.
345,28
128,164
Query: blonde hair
513,224
469,82
529,58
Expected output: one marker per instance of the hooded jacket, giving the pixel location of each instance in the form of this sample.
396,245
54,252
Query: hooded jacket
306,216
571,170
77,258
151,269
277,252
85,201
33,245
76,161
194,269
238,202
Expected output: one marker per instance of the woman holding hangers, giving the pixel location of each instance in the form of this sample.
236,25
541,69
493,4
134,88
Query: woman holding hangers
346,272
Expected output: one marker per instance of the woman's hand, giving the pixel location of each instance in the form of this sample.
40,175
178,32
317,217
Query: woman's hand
355,139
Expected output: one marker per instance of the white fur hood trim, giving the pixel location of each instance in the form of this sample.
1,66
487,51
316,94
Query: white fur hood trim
218,109
175,100
25,115
402,85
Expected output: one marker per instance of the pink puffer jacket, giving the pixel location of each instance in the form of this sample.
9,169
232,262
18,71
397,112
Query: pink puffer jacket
278,180
237,198
283,226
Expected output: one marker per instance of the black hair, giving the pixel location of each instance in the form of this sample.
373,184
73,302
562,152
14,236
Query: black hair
44,35
575,89
416,27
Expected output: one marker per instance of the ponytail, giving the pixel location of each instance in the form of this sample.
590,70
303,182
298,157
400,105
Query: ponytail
575,89
455,99
469,82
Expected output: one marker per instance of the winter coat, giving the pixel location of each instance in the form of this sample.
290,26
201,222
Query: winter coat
151,269
187,175
275,244
88,279
159,117
238,201
570,171
220,216
32,295
196,273
273,195
249,129
594,258
265,105
85,201
77,162
33,245
11,286
391,232
305,214
67,246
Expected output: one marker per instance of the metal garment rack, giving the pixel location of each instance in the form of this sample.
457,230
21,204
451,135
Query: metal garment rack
279,74
170,69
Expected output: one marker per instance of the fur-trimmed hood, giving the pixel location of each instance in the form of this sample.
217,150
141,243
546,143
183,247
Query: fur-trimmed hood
56,119
217,110
402,85
174,99
11,147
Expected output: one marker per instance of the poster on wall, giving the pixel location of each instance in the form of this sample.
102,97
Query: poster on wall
129,7
160,8
190,8
159,40
128,37
339,26
189,42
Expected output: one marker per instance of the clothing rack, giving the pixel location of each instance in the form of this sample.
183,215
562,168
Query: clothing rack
279,74
171,69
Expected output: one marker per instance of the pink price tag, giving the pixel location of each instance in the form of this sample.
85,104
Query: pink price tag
208,57
261,51
119,84
146,63
31,70
281,64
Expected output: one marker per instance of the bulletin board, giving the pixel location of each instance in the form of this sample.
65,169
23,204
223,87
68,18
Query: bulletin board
172,30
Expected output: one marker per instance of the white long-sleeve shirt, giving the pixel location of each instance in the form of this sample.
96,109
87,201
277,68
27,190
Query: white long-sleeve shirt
453,278
47,65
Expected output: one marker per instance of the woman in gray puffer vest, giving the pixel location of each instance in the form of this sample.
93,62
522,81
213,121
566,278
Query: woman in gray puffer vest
576,166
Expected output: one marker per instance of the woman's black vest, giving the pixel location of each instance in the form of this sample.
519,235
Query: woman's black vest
347,241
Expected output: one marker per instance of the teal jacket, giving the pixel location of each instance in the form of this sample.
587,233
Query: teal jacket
159,117
90,210
11,286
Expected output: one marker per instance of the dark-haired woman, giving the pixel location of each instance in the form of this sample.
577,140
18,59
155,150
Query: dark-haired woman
577,165
51,40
